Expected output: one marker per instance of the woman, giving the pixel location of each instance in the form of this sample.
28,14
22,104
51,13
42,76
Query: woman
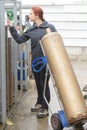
35,33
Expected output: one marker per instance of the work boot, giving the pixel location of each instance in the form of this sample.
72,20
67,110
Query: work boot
36,107
43,112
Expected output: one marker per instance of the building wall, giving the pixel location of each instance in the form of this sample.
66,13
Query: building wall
71,23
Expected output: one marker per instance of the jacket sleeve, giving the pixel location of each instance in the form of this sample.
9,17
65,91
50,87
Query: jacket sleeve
19,38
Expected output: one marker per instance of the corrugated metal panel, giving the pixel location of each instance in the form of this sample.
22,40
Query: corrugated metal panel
70,21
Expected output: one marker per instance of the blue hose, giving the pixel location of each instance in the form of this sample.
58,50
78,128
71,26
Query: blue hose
40,61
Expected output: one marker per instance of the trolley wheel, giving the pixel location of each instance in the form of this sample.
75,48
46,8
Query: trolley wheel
55,122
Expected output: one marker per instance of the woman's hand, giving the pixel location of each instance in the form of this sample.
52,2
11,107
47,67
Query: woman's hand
9,23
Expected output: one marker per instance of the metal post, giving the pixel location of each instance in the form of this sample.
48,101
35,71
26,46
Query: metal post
21,49
15,54
2,64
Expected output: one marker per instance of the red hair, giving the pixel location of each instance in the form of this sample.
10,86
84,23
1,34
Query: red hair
38,11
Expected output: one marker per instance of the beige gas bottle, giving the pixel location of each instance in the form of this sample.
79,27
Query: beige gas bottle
64,77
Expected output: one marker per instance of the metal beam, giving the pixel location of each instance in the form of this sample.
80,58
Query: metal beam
2,63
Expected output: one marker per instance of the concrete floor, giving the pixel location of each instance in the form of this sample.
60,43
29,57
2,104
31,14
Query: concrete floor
23,119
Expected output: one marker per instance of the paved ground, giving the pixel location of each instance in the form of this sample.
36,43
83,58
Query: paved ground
23,119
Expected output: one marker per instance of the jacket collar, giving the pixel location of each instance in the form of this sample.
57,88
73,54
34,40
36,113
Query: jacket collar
43,25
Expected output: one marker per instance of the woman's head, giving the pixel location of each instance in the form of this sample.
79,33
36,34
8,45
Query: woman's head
36,13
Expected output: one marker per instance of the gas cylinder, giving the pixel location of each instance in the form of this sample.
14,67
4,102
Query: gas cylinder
64,76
